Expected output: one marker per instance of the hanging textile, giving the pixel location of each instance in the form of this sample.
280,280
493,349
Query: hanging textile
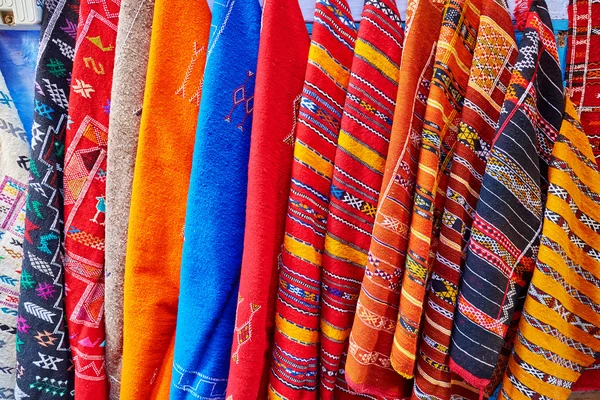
85,194
157,214
14,166
356,180
43,353
505,233
129,77
282,55
493,59
583,63
216,205
296,344
368,368
453,59
559,330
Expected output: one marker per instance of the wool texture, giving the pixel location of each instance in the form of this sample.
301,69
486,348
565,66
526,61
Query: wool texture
453,59
558,333
129,77
157,214
216,209
85,193
43,355
506,229
368,367
283,51
493,59
583,67
356,180
14,172
295,365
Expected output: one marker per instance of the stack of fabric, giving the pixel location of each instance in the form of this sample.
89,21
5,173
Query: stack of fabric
377,210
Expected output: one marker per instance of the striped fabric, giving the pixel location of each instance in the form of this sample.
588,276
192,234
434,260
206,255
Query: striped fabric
296,343
368,368
559,332
493,59
505,233
453,59
583,66
358,171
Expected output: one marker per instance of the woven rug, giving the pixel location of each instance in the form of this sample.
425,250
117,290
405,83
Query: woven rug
583,66
358,171
453,59
216,205
14,173
42,342
157,214
85,194
505,233
494,57
129,77
559,332
283,51
295,365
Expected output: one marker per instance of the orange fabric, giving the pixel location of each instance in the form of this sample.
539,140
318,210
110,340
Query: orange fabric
158,202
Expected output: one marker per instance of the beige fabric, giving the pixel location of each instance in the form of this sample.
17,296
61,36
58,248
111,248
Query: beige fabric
131,62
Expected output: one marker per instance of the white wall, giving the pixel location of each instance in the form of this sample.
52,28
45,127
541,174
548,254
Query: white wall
558,8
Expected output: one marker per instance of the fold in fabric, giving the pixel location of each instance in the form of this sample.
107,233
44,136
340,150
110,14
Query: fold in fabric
85,194
559,329
356,180
295,365
214,226
493,60
42,342
159,194
129,77
368,367
14,172
506,229
283,51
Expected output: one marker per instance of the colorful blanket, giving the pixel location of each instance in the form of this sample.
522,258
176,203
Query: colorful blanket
43,353
129,77
283,51
356,180
583,66
157,214
14,172
453,59
505,233
368,367
85,194
559,332
493,59
295,365
214,226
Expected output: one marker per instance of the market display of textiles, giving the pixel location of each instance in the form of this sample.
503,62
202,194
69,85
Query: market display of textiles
219,203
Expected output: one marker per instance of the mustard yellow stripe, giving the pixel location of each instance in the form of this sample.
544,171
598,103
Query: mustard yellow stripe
313,160
302,250
577,136
402,350
360,151
563,209
296,333
344,252
377,59
336,334
322,59
586,174
547,389
583,201
274,395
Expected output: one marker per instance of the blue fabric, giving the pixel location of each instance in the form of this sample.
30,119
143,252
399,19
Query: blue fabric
18,57
214,229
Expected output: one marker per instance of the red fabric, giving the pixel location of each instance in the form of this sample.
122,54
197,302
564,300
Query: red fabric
588,381
84,191
280,73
